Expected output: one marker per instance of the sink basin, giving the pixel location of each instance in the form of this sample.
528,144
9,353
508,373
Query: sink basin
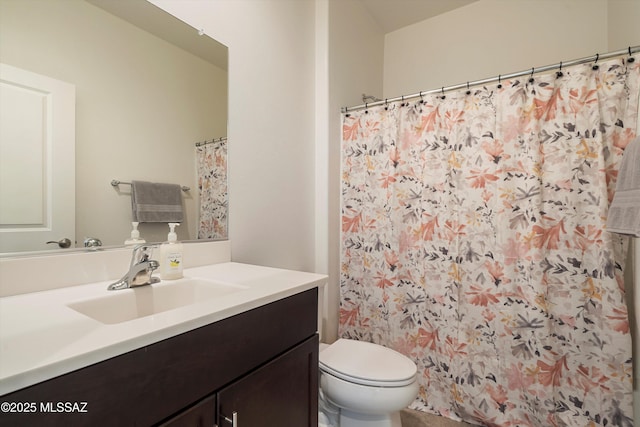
129,304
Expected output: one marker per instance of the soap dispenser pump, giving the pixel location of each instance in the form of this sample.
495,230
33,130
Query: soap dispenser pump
171,255
135,236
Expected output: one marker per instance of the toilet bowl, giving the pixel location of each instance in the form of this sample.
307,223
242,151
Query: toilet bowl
368,383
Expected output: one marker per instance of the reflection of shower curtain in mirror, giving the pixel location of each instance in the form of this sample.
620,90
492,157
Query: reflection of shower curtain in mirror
211,162
473,241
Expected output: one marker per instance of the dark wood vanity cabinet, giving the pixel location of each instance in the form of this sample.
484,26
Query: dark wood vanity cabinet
278,394
273,395
261,365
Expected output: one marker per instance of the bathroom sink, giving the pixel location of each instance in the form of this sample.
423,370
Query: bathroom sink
129,304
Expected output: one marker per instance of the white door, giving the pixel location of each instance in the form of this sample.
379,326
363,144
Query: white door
37,160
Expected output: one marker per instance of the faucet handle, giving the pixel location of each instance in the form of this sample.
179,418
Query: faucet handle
141,253
92,242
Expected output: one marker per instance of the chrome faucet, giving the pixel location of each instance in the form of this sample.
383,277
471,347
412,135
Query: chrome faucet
140,270
92,242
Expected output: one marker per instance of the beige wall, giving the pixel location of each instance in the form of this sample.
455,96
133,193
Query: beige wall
356,46
491,37
166,101
622,23
271,124
292,65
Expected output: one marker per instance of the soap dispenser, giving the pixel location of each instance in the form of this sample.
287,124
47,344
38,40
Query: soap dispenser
171,255
135,236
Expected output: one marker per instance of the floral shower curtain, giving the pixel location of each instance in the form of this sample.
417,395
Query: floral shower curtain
211,162
473,242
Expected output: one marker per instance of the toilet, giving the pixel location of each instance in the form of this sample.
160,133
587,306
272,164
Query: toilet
366,383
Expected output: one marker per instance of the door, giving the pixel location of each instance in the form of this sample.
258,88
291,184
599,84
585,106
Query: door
37,160
282,393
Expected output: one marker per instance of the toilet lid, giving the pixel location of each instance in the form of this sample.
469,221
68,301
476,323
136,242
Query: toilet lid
365,363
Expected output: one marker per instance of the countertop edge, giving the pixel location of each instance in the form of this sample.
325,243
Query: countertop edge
40,374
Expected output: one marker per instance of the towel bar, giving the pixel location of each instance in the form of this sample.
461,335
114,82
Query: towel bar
115,183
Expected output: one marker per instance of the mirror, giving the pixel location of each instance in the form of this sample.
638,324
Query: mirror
148,87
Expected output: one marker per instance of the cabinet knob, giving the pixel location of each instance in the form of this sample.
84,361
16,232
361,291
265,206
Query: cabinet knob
233,420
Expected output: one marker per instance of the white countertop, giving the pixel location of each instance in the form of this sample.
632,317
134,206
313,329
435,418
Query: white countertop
41,337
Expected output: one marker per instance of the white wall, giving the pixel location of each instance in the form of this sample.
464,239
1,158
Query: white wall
491,37
356,46
622,20
271,124
292,65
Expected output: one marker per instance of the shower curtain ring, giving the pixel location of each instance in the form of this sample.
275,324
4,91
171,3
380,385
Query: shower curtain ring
468,90
559,73
442,91
595,64
499,81
531,79
631,58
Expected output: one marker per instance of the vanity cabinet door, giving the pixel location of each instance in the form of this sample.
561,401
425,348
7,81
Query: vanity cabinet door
282,393
201,414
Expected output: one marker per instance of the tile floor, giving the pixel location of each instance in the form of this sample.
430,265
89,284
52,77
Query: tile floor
412,418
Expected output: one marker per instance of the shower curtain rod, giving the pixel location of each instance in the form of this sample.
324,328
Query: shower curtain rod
222,138
595,58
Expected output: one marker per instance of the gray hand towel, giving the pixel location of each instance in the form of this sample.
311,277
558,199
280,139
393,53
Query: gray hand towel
155,202
624,212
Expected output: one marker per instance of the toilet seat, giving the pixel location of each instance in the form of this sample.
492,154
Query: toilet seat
369,364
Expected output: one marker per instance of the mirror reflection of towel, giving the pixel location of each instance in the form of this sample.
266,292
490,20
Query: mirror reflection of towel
624,212
156,202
